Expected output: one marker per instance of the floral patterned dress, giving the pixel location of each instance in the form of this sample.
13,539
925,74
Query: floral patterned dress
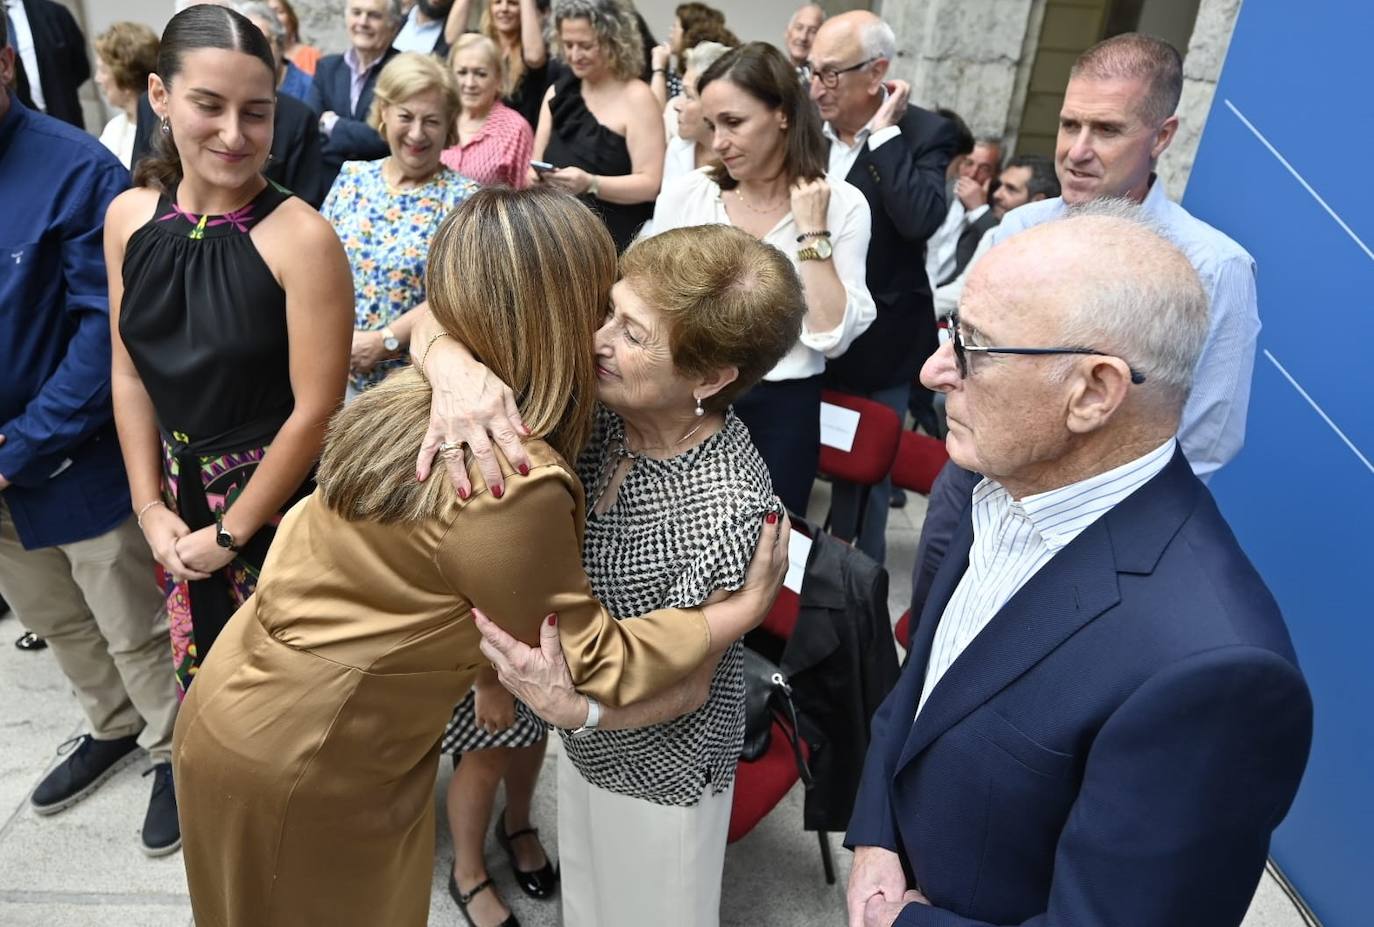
204,321
386,233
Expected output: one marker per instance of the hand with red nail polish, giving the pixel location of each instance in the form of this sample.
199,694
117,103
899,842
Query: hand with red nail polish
538,676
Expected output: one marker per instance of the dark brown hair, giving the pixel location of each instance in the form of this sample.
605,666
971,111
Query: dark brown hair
707,32
523,279
293,23
730,300
764,73
204,25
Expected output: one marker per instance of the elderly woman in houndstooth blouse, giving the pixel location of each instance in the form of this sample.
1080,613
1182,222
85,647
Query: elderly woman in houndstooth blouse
675,490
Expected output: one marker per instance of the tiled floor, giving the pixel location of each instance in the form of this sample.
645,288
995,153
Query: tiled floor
83,868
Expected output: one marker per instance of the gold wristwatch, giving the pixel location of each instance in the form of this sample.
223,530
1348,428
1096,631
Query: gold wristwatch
818,250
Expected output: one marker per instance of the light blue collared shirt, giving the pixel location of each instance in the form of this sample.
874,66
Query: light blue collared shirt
1212,427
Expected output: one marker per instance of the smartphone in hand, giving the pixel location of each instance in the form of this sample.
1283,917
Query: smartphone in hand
542,167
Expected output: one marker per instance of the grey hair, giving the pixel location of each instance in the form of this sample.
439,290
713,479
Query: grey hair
1143,301
257,10
703,55
878,40
1137,56
616,28
393,7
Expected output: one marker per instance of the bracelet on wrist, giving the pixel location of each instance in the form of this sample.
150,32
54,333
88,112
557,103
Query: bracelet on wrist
429,346
138,519
594,188
660,71
824,233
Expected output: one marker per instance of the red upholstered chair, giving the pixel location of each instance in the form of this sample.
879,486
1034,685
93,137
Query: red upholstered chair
918,462
762,783
869,460
902,630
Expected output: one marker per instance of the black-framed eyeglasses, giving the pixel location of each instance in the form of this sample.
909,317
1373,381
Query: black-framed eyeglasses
830,77
961,352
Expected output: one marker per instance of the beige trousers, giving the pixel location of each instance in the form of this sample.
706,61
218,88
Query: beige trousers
626,862
97,604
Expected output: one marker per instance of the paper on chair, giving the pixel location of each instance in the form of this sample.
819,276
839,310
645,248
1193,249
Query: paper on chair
798,549
838,426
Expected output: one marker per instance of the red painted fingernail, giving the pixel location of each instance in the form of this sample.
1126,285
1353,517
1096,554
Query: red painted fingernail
462,494
498,491
552,620
524,469
772,518
526,430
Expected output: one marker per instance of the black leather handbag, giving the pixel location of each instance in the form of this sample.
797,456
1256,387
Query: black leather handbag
768,698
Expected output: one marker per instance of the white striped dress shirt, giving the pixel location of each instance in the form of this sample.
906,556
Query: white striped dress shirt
1013,540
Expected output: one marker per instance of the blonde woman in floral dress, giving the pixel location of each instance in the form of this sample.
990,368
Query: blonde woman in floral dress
386,211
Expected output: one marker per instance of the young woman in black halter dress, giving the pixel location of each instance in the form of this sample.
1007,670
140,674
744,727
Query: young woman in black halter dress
231,309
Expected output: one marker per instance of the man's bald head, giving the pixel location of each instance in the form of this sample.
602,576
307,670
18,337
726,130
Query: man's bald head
1120,317
858,31
1105,276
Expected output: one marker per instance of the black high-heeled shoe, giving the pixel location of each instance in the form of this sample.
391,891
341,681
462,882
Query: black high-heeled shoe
542,882
463,899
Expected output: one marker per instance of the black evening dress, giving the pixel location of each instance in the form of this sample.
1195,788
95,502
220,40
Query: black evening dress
204,321
578,140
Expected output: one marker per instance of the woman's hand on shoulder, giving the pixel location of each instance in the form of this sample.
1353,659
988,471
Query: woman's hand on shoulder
469,406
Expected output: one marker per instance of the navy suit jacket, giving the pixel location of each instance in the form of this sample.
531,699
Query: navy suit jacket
352,139
904,183
1116,746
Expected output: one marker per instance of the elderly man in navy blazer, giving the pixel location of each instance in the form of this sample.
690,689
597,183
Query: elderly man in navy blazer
344,84
1102,719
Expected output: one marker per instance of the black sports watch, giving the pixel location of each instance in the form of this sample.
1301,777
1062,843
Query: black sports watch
222,537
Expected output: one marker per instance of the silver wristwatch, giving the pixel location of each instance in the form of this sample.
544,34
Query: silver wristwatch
593,718
389,339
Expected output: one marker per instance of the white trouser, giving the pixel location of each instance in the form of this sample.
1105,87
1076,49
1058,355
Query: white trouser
626,862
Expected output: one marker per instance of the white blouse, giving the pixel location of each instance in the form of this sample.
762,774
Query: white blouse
119,138
695,199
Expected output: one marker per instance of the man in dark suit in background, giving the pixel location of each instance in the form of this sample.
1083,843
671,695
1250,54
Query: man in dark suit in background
52,62
344,85
1102,719
897,155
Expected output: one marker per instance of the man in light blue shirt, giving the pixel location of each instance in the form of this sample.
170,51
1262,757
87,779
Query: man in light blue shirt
1116,120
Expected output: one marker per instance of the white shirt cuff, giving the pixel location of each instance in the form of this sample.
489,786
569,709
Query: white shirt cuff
327,122
975,215
883,135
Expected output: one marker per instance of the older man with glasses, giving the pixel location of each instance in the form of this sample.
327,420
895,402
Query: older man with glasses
1102,719
1117,118
897,155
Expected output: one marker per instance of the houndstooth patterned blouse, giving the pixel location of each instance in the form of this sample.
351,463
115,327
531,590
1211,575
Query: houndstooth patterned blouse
680,529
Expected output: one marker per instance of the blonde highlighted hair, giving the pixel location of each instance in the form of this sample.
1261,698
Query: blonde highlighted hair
408,75
513,61
523,279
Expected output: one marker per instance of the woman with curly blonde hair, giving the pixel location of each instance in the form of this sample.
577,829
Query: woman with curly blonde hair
600,125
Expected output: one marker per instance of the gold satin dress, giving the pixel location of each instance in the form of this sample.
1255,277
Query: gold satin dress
306,751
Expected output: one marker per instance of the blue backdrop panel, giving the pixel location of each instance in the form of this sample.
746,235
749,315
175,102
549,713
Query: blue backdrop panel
1296,89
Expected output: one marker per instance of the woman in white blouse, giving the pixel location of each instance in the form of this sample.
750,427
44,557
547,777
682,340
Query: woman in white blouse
125,54
771,182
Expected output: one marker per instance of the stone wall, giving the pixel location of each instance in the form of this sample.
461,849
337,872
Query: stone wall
1216,19
963,54
974,57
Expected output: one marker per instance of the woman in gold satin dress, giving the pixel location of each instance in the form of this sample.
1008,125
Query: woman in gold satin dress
306,751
